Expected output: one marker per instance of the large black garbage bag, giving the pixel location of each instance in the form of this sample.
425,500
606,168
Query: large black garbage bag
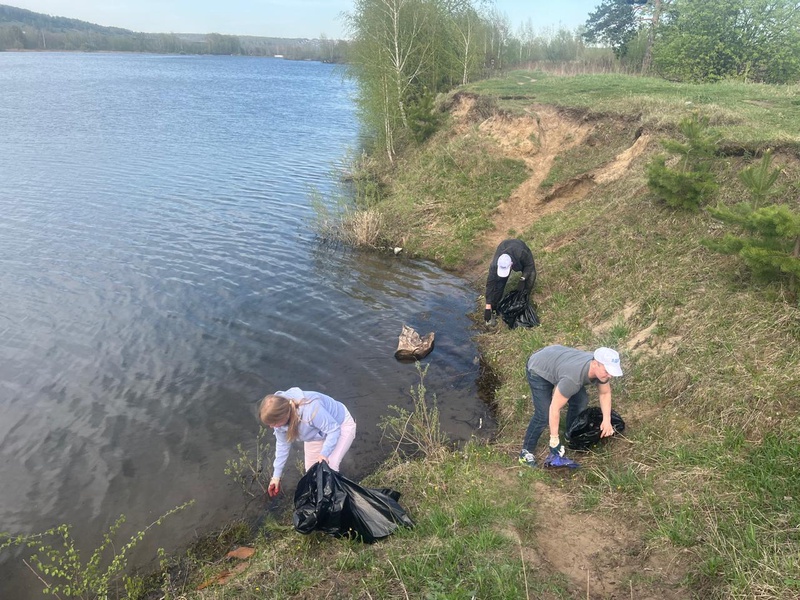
517,311
585,430
328,502
318,502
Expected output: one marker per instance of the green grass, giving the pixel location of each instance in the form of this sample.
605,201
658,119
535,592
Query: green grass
715,463
707,472
602,145
750,115
462,545
742,522
444,195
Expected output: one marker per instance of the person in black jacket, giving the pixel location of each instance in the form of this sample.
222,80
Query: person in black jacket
511,255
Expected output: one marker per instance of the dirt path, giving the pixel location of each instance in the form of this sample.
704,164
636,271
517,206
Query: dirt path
537,138
601,557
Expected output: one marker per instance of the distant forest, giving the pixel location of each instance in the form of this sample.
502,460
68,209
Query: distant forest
22,29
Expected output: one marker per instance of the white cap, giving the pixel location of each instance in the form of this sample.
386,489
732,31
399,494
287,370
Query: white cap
610,360
503,265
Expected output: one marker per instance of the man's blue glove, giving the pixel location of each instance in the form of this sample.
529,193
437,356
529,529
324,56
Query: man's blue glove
556,458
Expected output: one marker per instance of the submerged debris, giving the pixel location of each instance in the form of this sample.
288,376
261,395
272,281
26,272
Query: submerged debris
413,347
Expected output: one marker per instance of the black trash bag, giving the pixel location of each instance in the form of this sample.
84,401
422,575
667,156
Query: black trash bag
585,430
517,311
328,502
318,502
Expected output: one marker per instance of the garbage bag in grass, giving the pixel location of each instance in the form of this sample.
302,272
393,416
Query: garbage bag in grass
328,502
585,430
517,311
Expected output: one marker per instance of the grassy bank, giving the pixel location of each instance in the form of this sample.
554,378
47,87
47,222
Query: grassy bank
701,497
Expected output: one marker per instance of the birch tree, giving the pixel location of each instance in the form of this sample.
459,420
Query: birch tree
499,32
405,51
466,26
389,53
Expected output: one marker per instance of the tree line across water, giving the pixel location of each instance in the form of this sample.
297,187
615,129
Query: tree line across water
22,29
448,42
404,52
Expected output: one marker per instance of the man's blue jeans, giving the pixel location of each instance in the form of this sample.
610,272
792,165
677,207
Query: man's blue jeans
542,393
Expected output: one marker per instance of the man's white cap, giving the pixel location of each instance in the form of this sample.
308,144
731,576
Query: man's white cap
610,360
503,265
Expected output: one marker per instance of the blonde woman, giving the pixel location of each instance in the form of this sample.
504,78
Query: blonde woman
322,423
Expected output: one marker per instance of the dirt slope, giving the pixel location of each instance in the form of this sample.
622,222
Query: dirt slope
537,138
600,557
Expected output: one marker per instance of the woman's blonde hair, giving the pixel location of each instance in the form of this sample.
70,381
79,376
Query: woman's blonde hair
277,409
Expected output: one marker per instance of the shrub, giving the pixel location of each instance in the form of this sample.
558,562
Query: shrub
419,432
771,247
423,118
691,182
248,469
59,567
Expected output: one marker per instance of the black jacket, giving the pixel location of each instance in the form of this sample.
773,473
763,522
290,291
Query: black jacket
521,260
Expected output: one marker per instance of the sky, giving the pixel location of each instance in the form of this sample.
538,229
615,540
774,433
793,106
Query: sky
272,18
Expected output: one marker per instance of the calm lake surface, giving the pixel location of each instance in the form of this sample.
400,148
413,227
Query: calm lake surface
161,273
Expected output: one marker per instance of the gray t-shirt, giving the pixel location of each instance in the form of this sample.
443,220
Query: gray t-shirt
566,368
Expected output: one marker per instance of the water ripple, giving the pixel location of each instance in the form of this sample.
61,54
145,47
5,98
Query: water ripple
160,275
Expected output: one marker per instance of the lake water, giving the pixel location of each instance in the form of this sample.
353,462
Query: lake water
161,274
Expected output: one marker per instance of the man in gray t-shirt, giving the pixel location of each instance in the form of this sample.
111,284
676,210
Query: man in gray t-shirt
557,376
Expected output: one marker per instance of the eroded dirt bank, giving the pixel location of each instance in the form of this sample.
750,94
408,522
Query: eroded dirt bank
598,554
